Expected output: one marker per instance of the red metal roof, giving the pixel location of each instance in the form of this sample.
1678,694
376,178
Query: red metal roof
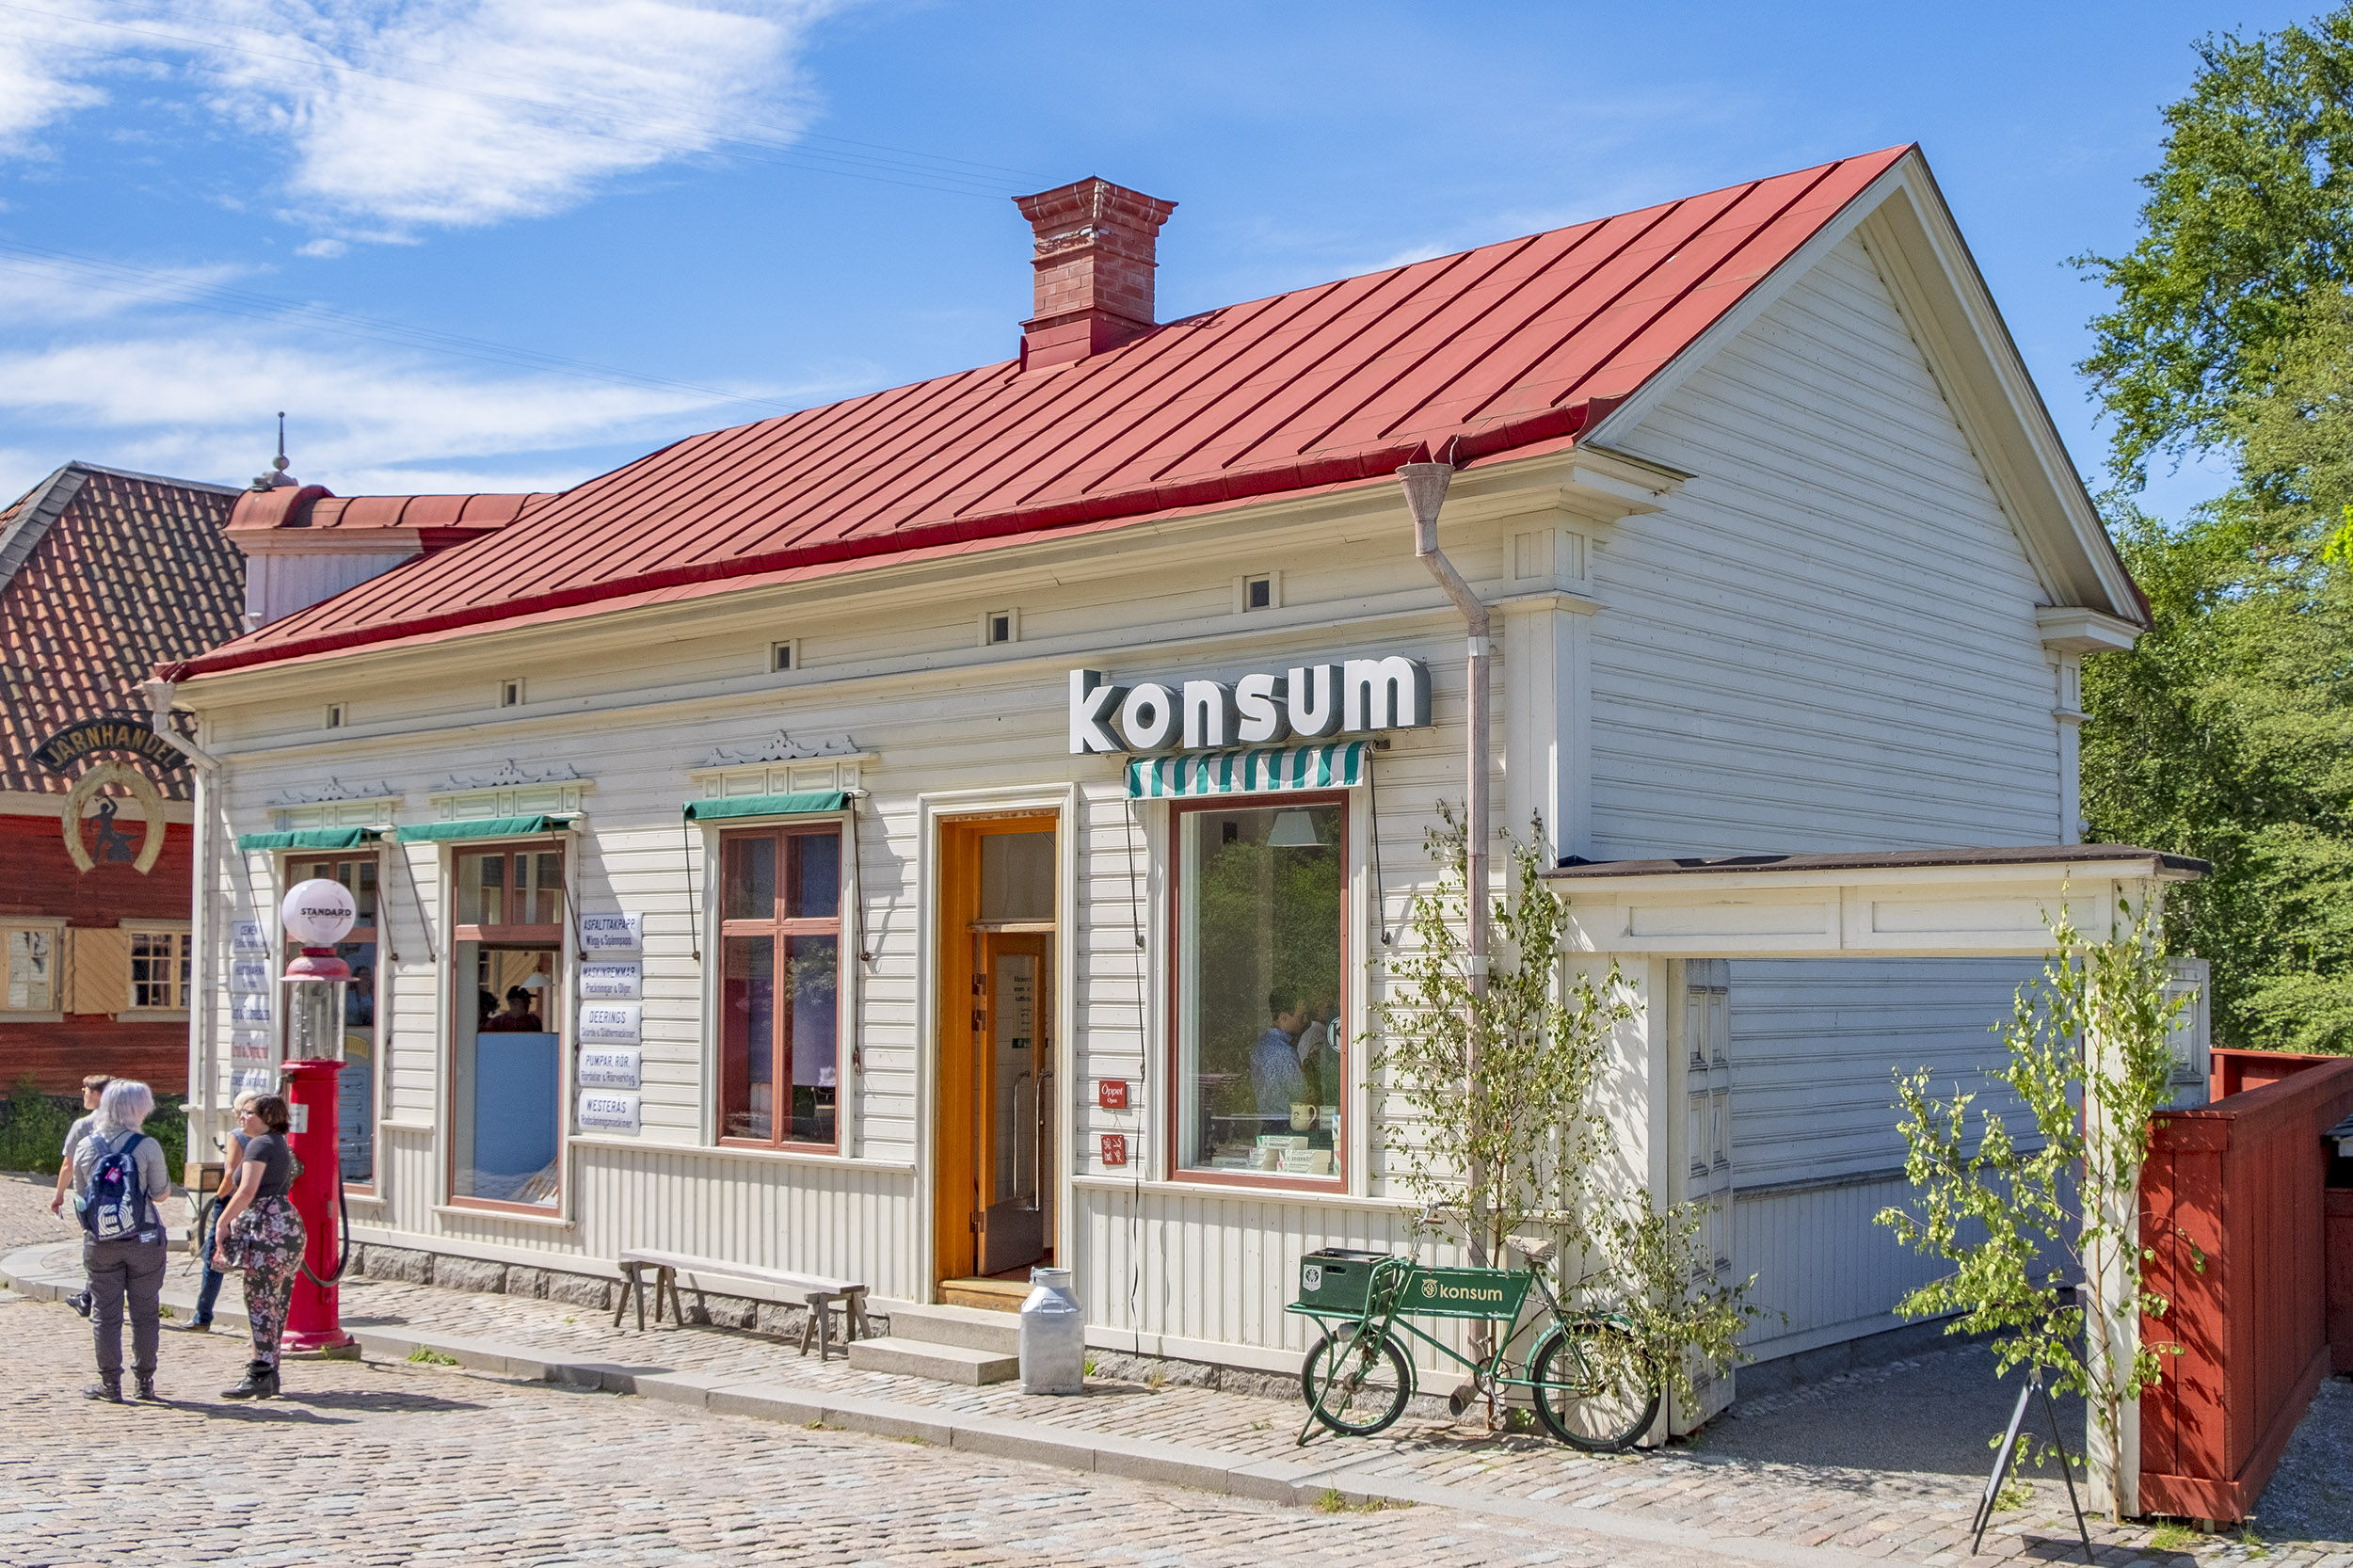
1511,347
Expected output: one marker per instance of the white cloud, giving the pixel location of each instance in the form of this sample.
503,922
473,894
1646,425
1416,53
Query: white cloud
201,403
45,62
438,113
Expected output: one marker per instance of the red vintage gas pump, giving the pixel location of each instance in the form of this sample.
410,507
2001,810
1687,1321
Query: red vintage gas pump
317,914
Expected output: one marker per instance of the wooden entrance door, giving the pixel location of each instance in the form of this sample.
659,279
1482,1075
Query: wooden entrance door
995,1136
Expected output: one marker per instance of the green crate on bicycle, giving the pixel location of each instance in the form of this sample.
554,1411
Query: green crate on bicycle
1338,1279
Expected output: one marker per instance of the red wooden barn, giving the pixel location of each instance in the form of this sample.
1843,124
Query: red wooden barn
103,574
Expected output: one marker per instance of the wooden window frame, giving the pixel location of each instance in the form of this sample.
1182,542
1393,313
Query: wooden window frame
780,929
183,960
54,927
461,989
1336,1184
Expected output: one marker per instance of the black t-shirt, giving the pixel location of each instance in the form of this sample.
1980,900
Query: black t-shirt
276,1162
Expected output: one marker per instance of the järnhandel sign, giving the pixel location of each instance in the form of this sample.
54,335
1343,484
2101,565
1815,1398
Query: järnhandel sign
77,743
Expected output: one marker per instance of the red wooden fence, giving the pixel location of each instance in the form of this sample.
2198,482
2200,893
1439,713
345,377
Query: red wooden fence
2233,1071
2233,1204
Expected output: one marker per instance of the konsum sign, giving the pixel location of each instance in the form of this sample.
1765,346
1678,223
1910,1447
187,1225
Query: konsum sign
1263,708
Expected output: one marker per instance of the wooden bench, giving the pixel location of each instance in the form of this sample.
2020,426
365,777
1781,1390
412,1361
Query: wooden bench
817,1297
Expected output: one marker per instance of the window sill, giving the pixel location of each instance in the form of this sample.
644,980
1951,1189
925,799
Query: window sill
499,1212
745,1151
152,1015
1252,1192
8,1016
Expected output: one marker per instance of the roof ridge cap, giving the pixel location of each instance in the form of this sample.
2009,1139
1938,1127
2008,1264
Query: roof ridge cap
35,518
157,478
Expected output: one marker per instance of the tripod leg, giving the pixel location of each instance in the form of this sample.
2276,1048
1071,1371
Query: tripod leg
2001,1468
2067,1471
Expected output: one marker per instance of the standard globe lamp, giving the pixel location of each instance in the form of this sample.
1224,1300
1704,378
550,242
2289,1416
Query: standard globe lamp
317,914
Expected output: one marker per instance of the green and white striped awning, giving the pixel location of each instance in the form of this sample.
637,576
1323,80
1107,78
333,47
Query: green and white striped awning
1269,770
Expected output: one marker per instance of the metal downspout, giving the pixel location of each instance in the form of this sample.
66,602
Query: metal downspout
203,854
1425,493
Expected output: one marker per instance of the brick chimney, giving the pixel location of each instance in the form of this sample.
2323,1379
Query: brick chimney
1096,245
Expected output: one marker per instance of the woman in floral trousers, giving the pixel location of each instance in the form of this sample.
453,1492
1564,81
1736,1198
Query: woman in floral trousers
260,1232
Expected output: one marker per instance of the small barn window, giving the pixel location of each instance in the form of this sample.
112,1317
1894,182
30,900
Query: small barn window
1261,592
785,655
511,694
338,714
1001,626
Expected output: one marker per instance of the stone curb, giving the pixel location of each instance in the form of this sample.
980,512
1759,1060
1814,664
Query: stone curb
1290,1482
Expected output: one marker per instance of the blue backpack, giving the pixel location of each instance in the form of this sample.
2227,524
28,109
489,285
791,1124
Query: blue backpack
114,1204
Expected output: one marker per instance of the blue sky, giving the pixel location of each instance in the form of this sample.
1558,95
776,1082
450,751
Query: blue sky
410,224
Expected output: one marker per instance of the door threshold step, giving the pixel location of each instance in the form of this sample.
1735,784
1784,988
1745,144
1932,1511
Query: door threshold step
989,1295
921,1358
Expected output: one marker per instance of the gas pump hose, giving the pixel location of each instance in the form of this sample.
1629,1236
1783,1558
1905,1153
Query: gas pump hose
342,1255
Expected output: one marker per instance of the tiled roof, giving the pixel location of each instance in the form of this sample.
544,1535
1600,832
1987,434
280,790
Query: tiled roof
1509,349
103,575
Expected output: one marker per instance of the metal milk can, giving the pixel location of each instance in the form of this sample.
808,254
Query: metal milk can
1053,1335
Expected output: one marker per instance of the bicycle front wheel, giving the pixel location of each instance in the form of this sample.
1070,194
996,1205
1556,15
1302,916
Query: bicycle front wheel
1356,1381
1591,1390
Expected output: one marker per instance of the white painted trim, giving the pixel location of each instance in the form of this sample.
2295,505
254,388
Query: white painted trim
2071,629
1252,1358
504,1216
1063,802
733,1151
487,1252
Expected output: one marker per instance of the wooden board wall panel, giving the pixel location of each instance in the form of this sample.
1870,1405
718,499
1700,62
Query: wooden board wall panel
1825,641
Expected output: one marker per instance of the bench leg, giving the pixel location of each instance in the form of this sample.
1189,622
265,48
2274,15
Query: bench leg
667,1280
629,1281
855,1318
808,1322
823,1306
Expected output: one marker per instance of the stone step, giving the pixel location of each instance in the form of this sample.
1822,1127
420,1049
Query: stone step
972,1328
942,1363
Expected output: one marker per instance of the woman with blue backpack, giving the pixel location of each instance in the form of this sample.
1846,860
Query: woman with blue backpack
118,1173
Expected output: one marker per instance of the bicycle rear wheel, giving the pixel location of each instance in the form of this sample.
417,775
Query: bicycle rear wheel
1356,1381
1591,1390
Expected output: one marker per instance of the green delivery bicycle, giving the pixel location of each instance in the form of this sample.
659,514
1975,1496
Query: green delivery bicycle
1584,1375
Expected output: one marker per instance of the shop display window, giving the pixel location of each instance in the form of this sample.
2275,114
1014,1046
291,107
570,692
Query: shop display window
1261,1037
507,1067
355,1086
779,992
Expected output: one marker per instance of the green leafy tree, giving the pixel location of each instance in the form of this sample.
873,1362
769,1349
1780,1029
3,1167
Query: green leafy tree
2228,733
1504,1128
2019,1217
2249,215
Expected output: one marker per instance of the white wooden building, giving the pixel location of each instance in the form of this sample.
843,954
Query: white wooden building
923,983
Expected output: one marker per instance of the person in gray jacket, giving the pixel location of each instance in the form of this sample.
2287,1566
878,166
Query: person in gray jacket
128,1268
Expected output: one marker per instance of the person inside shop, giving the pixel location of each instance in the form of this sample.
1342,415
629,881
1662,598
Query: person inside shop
1274,1076
1319,1048
118,1173
92,1087
360,997
486,1003
262,1233
520,1017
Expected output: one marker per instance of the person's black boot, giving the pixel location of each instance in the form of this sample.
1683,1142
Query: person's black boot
261,1382
79,1301
145,1381
108,1387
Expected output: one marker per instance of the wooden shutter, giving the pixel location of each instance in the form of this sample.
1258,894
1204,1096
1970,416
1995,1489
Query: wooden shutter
97,971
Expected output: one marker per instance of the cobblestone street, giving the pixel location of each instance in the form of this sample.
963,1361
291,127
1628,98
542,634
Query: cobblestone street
413,1462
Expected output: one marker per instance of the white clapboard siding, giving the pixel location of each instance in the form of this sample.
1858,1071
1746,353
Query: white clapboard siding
1819,1258
1827,640
1816,1152
1000,724
1815,1044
